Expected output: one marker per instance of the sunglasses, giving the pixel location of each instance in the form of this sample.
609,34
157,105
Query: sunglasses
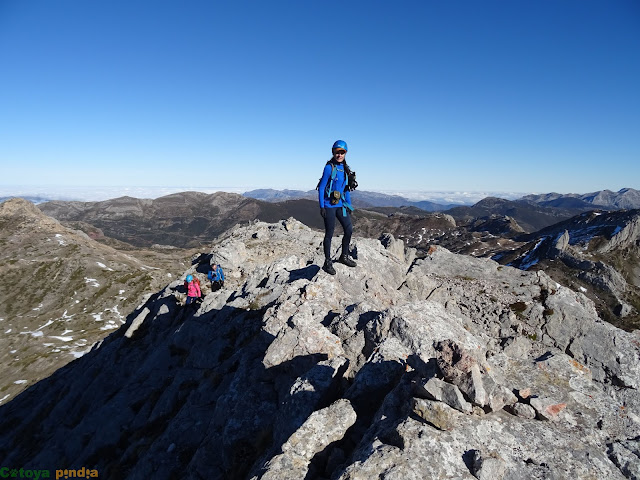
341,152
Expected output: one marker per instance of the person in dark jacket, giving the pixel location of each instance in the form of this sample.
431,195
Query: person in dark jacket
335,203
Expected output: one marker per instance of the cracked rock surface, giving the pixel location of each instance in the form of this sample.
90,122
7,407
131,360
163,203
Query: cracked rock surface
442,367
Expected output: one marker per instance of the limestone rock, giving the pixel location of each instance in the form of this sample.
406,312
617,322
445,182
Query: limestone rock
497,395
563,241
523,410
547,409
320,430
626,455
292,373
489,466
438,414
472,385
436,389
137,322
396,247
625,237
453,360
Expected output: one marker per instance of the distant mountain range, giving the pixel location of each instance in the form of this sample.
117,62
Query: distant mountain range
191,219
529,215
33,199
626,198
360,199
185,220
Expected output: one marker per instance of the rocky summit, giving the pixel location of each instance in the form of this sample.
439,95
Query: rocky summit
446,366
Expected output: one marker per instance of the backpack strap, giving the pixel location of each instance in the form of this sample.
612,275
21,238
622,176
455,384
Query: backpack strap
334,173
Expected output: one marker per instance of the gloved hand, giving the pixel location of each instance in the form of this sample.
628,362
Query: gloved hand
323,212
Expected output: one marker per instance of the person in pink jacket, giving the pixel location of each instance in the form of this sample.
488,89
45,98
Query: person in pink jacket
193,289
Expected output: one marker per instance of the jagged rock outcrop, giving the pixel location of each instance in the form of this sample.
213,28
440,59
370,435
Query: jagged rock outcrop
598,274
628,236
441,367
562,242
600,250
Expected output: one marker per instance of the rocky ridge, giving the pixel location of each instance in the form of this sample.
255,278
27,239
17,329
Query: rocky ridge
598,252
184,220
442,367
530,216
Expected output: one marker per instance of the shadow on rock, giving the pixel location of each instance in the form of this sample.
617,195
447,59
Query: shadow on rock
306,273
187,391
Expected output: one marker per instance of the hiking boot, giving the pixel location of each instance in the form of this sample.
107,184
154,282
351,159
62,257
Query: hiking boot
328,267
347,261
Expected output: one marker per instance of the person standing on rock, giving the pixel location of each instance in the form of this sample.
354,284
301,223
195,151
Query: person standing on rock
216,276
193,290
335,202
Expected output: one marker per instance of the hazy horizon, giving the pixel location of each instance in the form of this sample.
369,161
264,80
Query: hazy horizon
100,193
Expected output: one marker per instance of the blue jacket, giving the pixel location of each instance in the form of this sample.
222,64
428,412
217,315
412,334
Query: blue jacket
216,275
339,184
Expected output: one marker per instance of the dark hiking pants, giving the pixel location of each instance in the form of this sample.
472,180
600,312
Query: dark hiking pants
330,226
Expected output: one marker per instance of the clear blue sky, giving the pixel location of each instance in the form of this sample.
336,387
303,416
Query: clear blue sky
527,96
